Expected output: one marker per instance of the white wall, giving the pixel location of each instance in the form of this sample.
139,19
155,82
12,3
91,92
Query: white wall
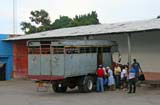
145,48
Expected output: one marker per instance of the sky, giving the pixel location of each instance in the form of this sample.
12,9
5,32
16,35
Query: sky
109,11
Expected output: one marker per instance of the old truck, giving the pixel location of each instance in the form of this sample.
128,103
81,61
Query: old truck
68,63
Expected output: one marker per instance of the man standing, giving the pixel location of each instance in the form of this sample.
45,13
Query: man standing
132,80
117,72
137,67
100,75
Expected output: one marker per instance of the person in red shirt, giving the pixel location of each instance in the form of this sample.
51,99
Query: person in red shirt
100,75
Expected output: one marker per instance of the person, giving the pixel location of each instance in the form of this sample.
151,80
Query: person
117,72
124,77
105,78
132,80
137,67
111,80
100,75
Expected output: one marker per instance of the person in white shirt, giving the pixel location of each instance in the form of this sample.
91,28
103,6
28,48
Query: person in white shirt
124,75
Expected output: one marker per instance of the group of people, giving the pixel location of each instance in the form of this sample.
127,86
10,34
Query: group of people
121,77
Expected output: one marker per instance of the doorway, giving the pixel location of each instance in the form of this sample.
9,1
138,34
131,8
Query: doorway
2,72
99,57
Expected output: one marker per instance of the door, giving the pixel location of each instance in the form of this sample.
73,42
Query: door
2,72
99,57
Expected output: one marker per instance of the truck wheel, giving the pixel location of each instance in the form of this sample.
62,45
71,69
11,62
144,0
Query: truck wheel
86,84
59,89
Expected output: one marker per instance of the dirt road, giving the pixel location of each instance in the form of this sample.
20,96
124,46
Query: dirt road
24,93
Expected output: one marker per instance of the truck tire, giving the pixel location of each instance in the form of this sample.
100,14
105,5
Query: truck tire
58,89
86,84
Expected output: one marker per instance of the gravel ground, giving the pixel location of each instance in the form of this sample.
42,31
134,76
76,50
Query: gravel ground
23,92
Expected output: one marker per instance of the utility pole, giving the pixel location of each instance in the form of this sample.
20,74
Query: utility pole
129,49
14,18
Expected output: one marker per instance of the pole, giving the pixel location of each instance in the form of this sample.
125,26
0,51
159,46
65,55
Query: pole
129,49
14,21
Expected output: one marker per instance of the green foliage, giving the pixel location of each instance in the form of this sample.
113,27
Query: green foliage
40,19
62,22
85,19
42,22
28,28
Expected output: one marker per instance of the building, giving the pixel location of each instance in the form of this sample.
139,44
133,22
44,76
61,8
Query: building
6,58
137,39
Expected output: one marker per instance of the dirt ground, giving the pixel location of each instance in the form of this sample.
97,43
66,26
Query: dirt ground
23,92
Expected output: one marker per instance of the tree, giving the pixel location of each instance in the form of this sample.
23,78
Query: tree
28,28
62,22
40,21
85,19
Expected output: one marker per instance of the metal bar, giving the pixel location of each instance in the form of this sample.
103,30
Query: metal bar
14,17
129,50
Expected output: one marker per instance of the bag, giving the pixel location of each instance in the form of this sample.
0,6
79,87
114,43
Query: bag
141,77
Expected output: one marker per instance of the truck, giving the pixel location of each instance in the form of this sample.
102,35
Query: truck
68,63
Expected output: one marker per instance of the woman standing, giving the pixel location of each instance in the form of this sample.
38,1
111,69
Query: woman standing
111,80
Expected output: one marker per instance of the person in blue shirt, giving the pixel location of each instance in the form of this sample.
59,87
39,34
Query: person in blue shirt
137,67
132,80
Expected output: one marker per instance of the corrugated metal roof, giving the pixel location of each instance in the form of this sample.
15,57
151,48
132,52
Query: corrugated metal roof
95,29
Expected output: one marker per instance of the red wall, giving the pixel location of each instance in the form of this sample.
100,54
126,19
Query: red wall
20,59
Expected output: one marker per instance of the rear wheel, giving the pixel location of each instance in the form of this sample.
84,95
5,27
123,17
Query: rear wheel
86,84
59,88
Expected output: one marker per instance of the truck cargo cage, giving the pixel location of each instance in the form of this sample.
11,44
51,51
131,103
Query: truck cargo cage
69,63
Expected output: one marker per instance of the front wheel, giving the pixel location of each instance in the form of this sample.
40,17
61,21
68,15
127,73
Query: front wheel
59,88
